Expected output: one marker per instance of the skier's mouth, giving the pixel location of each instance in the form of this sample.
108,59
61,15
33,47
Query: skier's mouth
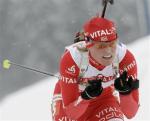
107,57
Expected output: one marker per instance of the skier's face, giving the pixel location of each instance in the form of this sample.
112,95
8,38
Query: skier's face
103,52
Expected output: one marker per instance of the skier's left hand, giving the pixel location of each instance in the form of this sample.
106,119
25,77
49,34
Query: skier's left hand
125,84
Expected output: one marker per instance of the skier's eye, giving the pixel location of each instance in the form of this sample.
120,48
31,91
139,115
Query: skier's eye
100,45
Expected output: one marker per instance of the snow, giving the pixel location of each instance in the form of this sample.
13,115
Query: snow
141,50
33,102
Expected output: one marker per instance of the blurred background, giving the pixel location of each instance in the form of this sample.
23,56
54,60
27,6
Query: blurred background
35,32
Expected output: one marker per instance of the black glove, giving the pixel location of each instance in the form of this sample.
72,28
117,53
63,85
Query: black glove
93,90
125,84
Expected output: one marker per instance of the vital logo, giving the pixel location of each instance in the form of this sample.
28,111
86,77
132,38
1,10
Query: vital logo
68,80
100,76
65,119
104,39
101,33
72,69
105,78
110,113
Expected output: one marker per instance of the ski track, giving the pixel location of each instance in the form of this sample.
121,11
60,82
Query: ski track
33,102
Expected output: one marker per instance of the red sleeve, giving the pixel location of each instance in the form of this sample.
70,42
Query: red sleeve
69,72
129,103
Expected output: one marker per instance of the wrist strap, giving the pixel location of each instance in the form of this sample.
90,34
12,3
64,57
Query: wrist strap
89,95
135,84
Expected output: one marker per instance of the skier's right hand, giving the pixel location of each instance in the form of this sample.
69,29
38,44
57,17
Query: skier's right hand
93,89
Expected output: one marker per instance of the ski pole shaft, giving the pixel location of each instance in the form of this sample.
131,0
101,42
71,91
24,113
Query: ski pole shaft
104,10
105,2
8,63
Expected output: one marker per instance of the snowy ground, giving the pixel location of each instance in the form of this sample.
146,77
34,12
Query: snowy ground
33,102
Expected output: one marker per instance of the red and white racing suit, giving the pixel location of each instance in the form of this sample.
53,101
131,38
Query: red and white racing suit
67,102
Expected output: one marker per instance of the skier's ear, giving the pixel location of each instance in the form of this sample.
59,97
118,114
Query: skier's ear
116,35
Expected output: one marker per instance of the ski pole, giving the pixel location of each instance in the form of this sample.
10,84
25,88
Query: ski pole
7,64
105,2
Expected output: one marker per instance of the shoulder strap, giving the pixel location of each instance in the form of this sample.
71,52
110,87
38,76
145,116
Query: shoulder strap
83,61
116,66
83,64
